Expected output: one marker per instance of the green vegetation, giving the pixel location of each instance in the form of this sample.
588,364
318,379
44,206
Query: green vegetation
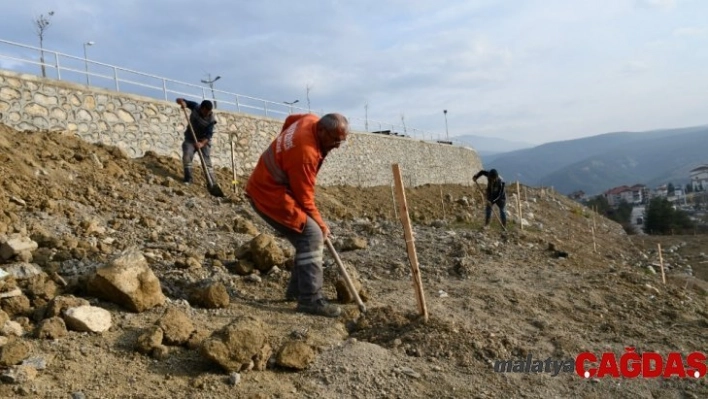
660,217
622,214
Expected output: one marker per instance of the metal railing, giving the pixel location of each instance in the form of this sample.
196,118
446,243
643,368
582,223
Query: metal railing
21,58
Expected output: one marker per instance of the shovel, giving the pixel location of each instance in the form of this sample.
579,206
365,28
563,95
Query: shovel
213,188
347,279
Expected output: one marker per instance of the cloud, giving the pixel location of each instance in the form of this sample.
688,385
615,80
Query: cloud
690,32
634,67
662,4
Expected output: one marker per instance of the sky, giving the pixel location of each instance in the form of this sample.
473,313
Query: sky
532,71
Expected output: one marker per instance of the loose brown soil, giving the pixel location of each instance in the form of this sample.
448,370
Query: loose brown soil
548,290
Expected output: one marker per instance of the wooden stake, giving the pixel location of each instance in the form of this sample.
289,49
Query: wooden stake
393,199
410,244
442,201
661,262
518,204
594,243
233,164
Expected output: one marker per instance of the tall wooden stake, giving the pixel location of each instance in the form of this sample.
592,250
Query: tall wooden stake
661,262
518,204
594,243
393,200
233,164
410,243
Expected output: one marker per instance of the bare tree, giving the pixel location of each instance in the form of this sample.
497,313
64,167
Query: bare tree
41,24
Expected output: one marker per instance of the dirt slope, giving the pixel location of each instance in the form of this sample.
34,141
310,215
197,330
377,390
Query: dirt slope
549,291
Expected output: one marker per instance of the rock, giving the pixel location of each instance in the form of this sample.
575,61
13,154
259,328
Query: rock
239,346
197,338
17,306
340,285
60,304
254,278
151,338
234,379
38,362
409,372
88,319
128,281
211,297
19,375
51,328
15,244
14,352
242,267
176,326
3,317
41,286
22,270
160,352
352,243
12,329
295,355
244,226
266,253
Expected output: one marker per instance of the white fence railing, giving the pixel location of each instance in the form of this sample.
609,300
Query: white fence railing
29,59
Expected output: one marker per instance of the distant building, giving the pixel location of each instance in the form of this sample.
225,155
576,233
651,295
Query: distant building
637,194
699,178
662,191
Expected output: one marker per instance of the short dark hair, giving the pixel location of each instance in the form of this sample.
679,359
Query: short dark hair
206,104
333,122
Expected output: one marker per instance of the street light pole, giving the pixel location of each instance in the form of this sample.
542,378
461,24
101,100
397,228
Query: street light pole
210,82
291,104
89,43
447,135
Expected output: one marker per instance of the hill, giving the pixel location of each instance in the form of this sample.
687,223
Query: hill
69,209
489,146
594,164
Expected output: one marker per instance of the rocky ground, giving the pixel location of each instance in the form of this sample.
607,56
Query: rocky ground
117,281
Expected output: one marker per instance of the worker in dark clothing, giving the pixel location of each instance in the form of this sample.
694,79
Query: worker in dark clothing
203,121
496,194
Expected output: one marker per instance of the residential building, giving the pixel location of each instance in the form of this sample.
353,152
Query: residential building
637,194
699,178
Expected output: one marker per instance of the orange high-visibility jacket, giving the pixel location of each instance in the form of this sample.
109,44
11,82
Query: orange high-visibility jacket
282,185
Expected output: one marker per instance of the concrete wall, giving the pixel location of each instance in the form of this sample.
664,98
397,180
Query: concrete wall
137,124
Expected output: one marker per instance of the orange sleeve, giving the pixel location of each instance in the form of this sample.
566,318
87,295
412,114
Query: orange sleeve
302,183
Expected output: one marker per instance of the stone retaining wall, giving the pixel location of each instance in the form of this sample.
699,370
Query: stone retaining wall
137,124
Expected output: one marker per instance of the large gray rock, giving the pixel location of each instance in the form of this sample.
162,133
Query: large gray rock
239,346
129,282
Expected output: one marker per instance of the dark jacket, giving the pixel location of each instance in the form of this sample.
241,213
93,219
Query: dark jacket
203,127
495,189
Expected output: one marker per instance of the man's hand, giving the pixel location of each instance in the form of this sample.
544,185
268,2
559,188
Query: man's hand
181,102
201,144
325,232
489,203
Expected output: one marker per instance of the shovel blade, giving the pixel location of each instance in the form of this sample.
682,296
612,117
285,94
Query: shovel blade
216,191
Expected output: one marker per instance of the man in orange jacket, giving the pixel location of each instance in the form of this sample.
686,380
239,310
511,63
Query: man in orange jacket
282,191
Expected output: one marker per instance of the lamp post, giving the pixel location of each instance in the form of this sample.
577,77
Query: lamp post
291,104
447,135
89,43
210,82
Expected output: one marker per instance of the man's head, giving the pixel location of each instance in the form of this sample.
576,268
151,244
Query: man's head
205,108
332,131
493,174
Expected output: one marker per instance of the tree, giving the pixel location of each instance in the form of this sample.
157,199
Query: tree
689,188
670,189
660,217
41,24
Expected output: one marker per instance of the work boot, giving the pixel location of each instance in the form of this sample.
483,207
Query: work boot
319,307
187,176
